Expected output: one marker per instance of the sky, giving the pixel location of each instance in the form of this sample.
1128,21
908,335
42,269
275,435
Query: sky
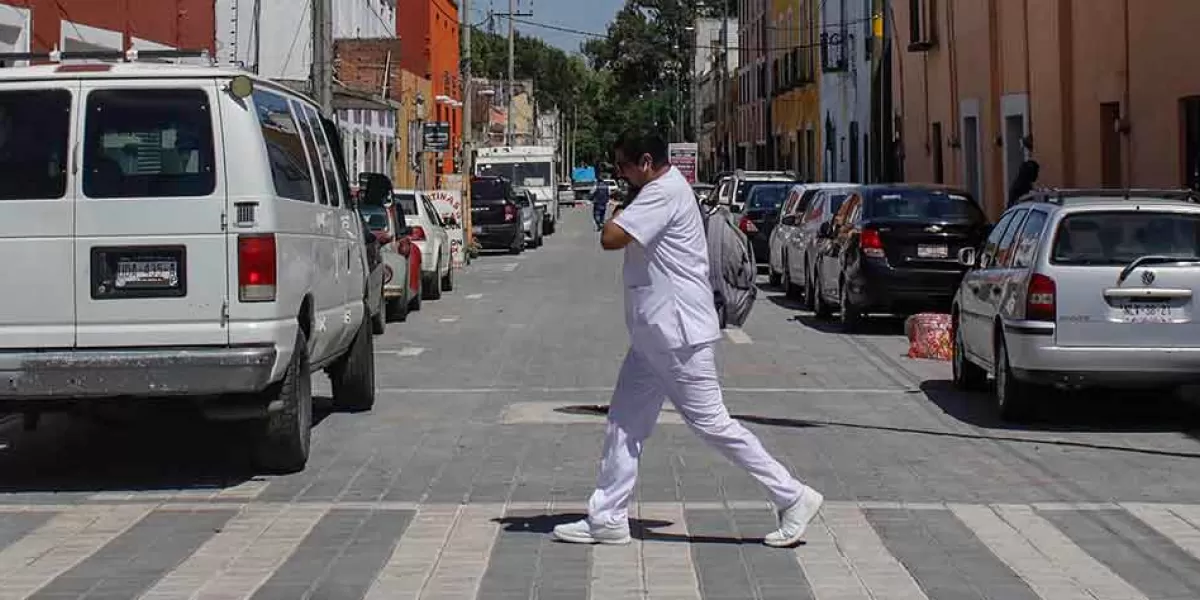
585,15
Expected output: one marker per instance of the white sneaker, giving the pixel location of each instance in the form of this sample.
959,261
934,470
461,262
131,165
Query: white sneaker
583,532
793,520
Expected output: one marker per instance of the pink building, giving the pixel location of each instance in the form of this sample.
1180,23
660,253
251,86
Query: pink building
1102,93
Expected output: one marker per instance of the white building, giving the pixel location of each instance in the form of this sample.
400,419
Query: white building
846,89
283,48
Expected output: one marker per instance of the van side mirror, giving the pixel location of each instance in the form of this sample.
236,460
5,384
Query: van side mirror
968,257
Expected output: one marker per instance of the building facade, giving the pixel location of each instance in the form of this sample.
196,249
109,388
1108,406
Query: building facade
714,68
429,31
795,96
847,56
753,109
78,25
1102,93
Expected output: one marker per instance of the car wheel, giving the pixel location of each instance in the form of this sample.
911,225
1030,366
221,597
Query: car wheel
789,287
353,375
519,245
968,376
851,316
448,280
809,296
287,433
550,227
1013,397
414,303
379,320
822,309
397,309
773,278
431,287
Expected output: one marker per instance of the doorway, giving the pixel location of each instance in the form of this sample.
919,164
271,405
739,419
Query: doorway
971,157
1014,146
1110,145
1190,127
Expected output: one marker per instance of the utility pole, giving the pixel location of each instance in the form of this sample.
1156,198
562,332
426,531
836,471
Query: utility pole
468,147
322,55
512,14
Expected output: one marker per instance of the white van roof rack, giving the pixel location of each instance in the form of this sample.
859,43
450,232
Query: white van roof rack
131,55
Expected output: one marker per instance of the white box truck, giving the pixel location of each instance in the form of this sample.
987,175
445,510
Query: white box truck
529,167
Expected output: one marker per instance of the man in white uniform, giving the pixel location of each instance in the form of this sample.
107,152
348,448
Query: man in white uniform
673,331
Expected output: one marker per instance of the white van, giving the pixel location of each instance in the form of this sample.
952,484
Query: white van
178,231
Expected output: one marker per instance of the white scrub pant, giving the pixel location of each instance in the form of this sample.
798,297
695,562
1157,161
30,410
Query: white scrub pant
688,376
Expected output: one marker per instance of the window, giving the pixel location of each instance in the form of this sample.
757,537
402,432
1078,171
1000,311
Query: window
767,197
35,137
148,143
1119,237
1027,242
407,204
833,51
993,241
919,204
1004,250
939,165
314,158
529,174
285,150
922,17
971,156
333,183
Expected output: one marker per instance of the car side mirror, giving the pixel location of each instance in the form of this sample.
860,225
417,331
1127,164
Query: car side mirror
968,257
789,220
825,230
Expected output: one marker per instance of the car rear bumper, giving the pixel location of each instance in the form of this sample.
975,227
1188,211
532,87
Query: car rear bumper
882,287
1035,357
102,373
499,236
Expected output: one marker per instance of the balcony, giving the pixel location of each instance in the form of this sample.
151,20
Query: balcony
833,51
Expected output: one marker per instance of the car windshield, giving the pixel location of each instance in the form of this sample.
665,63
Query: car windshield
530,174
746,187
768,196
407,203
1120,237
925,205
375,217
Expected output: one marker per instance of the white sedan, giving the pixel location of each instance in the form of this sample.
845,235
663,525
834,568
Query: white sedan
429,234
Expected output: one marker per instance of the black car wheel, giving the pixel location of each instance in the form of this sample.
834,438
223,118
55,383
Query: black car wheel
1014,398
851,315
774,278
822,308
809,291
968,376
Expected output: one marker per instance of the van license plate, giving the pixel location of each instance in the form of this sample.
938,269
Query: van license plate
147,274
1149,312
932,251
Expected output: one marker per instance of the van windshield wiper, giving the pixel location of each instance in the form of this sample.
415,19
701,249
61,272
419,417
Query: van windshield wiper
1154,259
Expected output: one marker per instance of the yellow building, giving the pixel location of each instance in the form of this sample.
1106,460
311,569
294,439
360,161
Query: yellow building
793,42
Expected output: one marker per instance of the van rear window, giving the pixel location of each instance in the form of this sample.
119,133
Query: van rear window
1120,237
141,143
35,128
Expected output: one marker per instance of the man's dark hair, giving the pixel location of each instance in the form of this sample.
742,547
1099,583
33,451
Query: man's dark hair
634,143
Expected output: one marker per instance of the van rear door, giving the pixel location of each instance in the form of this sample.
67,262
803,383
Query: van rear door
37,308
151,264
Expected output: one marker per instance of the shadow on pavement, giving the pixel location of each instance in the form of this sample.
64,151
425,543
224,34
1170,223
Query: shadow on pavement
122,448
884,325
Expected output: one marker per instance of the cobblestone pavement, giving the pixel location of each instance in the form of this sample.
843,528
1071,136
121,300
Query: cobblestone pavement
486,435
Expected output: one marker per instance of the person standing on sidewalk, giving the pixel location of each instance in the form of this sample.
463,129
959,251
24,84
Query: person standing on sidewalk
673,332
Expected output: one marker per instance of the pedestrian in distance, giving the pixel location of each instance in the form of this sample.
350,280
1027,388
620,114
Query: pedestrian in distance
1024,182
673,331
600,200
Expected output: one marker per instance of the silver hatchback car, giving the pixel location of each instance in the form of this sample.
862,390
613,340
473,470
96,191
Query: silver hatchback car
1082,288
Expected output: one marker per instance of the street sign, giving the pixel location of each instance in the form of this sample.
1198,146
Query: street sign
437,136
683,157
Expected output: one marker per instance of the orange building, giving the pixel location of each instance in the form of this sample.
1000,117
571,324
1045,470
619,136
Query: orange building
428,31
83,25
1102,93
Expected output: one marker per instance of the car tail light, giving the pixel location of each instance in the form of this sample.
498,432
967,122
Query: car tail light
404,246
510,212
871,243
417,234
1040,302
256,267
747,226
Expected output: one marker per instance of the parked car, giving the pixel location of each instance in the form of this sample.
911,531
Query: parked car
531,218
401,263
495,215
376,269
759,215
428,232
788,248
733,189
893,248
702,191
565,194
186,247
1081,288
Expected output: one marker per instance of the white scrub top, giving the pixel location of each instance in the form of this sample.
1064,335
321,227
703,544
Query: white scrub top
668,297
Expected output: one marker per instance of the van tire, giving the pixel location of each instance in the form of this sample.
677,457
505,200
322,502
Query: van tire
353,375
448,280
379,320
396,309
287,433
550,227
414,303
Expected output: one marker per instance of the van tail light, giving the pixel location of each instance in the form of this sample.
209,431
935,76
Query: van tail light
257,267
747,226
417,234
510,212
1040,303
871,243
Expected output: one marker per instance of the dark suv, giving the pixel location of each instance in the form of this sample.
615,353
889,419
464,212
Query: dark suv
894,249
495,215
